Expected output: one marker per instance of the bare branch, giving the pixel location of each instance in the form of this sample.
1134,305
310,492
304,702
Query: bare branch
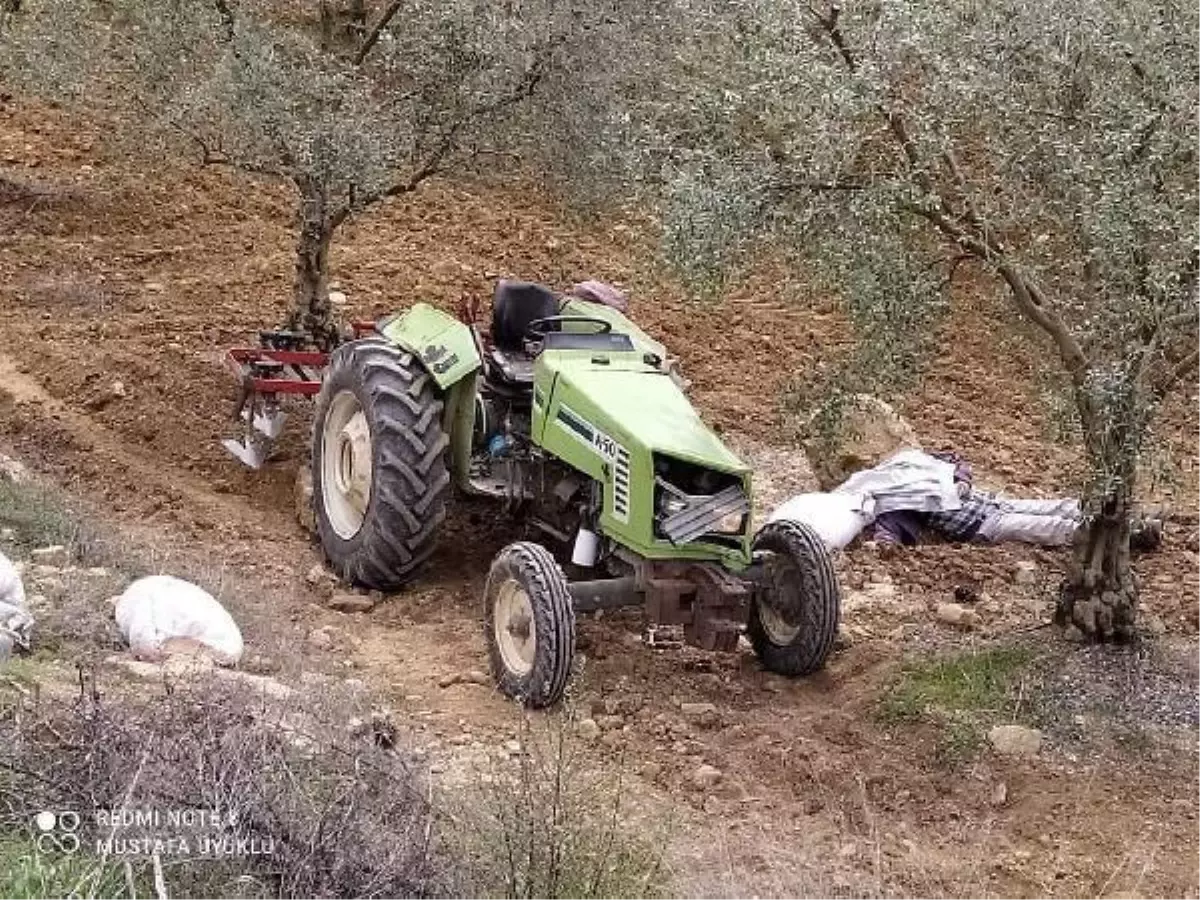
830,23
372,36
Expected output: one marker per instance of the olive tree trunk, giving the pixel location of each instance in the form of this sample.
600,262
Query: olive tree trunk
1100,594
311,310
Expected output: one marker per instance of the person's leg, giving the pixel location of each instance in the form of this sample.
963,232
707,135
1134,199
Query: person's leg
1049,531
1064,508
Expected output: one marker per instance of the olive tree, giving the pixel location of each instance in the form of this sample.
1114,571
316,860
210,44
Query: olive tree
891,143
415,93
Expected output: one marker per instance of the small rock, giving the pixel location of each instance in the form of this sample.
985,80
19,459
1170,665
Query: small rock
587,729
513,747
303,498
610,723
320,639
1025,572
7,534
705,777
14,471
1154,626
1015,740
1073,634
350,603
258,664
702,714
476,676
337,298
959,616
55,555
999,794
448,680
117,390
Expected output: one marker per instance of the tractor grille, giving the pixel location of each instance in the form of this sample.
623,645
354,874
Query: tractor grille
702,514
621,485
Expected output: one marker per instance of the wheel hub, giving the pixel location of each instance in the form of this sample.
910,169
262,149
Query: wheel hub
346,464
512,622
774,598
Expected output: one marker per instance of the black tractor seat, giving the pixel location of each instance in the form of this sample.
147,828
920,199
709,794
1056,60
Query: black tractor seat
515,305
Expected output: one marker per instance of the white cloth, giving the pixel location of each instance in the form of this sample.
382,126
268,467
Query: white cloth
16,624
155,609
836,518
910,479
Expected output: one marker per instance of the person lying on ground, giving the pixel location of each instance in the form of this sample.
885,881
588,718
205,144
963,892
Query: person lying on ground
987,518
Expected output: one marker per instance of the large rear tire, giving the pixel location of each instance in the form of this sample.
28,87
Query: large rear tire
529,624
378,461
796,608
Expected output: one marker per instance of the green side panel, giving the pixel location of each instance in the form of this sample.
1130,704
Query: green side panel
607,420
444,345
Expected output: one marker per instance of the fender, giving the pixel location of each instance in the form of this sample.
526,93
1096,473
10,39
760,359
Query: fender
450,354
444,345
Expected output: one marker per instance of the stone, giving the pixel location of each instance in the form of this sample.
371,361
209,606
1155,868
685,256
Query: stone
7,534
337,298
587,729
871,431
999,794
260,664
1154,626
117,390
476,676
610,723
350,603
958,616
1025,572
320,639
1072,634
303,499
705,777
701,714
448,680
54,555
1015,740
14,471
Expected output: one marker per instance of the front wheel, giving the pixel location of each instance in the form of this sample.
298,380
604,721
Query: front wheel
794,616
530,624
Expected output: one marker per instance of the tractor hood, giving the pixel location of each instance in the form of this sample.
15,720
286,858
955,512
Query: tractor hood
641,406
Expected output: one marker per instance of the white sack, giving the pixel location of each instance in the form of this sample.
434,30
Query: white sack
835,517
12,591
159,608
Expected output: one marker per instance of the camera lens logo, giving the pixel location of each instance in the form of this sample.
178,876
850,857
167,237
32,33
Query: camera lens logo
56,832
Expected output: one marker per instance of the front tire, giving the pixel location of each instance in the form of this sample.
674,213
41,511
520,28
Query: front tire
796,608
378,462
529,624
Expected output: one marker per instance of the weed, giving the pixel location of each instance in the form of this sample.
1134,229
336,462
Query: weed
551,825
978,681
959,694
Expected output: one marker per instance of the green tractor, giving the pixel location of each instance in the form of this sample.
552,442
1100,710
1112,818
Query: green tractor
570,417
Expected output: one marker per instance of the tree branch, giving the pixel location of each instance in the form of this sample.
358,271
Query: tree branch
833,29
372,36
433,162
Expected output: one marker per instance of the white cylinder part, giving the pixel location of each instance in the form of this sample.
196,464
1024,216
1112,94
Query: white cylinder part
587,548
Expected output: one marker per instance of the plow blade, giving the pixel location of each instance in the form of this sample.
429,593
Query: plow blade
248,451
267,423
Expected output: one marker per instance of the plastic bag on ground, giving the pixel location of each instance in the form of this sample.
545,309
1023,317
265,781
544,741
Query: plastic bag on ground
836,518
161,612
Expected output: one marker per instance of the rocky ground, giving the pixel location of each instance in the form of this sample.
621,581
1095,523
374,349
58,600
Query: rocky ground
120,286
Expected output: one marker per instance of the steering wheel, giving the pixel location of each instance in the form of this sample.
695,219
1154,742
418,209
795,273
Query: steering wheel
538,328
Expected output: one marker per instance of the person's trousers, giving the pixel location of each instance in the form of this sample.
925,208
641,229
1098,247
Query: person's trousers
1050,523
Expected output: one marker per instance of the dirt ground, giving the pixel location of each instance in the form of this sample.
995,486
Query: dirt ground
115,271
